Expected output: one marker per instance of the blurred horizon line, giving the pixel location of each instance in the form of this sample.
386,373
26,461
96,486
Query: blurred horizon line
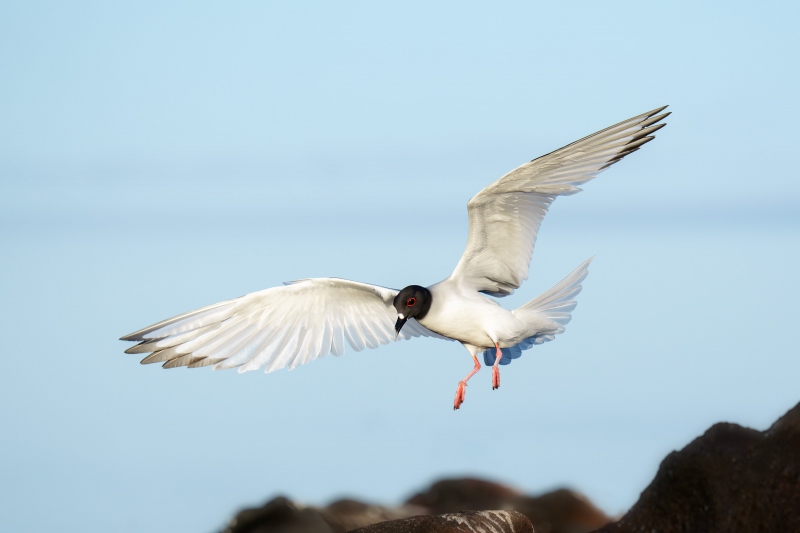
733,213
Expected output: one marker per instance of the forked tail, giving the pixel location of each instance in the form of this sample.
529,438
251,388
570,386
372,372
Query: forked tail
557,303
551,311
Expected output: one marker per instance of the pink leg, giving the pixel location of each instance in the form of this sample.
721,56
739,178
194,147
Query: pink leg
462,385
496,369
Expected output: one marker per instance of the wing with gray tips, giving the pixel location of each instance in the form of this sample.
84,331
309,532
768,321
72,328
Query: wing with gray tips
278,327
504,218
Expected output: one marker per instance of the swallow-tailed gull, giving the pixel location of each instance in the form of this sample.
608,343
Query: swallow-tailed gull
307,319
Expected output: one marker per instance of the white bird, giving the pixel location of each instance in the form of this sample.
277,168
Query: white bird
307,319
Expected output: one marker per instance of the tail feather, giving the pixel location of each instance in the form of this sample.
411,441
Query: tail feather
558,300
555,306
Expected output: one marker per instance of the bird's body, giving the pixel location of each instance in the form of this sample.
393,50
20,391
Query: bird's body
288,326
473,319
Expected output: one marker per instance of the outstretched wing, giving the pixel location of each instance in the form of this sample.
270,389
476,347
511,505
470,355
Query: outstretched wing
277,327
505,216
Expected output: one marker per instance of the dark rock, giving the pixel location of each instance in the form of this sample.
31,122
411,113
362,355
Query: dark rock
466,522
731,479
463,494
345,515
282,515
560,511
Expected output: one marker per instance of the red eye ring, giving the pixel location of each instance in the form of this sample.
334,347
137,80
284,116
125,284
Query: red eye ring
411,302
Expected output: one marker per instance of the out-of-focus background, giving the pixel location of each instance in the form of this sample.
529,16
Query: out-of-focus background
157,157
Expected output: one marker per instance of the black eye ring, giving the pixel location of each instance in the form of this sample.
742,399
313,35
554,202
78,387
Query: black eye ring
411,302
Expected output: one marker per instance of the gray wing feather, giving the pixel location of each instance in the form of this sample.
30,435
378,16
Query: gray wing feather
504,218
277,328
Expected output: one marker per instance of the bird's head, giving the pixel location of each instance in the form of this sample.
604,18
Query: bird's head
412,302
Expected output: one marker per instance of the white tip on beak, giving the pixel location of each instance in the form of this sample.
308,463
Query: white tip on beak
399,325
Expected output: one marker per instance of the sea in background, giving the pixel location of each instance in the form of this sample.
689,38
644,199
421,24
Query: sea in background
157,157
687,318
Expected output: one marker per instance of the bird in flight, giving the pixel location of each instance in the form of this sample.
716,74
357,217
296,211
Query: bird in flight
303,320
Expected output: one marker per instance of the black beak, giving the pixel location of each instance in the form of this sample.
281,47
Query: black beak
398,326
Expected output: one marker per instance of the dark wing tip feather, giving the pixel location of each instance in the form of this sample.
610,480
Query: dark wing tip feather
160,356
629,148
649,127
646,120
139,348
201,362
179,361
152,358
654,119
644,132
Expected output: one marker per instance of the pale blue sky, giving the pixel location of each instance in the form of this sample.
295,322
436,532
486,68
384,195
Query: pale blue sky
154,159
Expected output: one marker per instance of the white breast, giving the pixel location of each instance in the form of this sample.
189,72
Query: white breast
472,318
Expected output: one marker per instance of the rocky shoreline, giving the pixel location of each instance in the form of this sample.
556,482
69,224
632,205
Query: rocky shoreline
731,479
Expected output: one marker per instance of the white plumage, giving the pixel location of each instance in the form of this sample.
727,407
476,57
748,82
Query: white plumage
277,327
289,326
505,216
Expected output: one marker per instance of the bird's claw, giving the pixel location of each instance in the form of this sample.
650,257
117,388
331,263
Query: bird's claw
460,392
495,378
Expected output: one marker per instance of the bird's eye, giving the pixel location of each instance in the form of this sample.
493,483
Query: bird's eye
411,302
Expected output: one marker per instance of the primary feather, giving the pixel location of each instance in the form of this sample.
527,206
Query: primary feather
505,216
277,328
